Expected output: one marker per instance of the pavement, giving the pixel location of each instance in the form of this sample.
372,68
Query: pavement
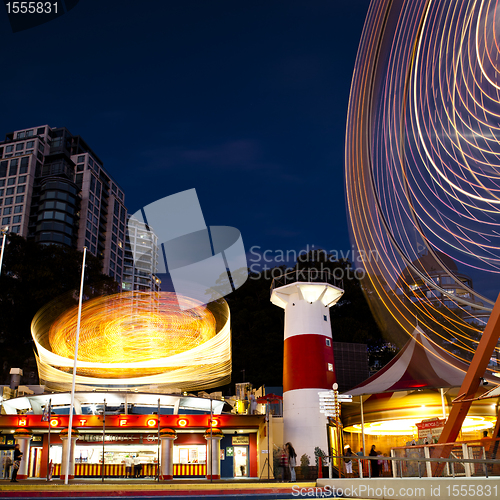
150,489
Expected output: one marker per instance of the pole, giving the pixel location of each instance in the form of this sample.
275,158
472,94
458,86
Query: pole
443,406
268,462
363,427
103,437
4,232
158,440
72,405
48,442
211,442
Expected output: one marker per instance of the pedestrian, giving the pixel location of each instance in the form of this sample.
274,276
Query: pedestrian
283,463
253,403
374,463
128,466
348,454
137,466
292,461
7,464
17,463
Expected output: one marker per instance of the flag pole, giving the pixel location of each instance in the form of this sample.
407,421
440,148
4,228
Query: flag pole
72,405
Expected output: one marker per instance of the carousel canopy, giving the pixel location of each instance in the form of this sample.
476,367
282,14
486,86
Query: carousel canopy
421,364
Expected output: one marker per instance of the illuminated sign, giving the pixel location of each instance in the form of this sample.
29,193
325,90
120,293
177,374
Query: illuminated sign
238,440
83,421
182,422
215,422
151,422
22,422
123,423
54,422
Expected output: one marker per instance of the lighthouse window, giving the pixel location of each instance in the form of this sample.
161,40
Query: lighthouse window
330,367
328,342
324,317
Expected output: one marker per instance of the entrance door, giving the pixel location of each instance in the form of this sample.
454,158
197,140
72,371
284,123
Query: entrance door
240,461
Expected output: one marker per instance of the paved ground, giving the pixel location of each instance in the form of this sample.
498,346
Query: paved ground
149,489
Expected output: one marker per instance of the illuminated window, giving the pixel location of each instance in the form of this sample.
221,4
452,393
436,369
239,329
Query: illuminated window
328,342
330,367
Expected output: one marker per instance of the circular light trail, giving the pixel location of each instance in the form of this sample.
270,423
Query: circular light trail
135,339
423,165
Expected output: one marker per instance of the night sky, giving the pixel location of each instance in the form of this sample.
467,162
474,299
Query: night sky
244,100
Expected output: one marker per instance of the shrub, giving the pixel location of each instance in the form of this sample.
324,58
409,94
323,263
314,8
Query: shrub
305,460
318,452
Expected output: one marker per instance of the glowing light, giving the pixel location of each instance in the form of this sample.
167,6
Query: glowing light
54,422
423,167
136,339
182,422
407,426
152,422
214,422
22,422
123,423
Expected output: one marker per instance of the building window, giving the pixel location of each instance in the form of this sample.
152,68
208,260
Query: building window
18,209
20,146
20,198
17,219
22,179
9,149
7,210
8,201
328,342
1,192
6,221
16,229
40,130
29,133
21,135
30,144
81,159
10,191
21,189
330,367
11,182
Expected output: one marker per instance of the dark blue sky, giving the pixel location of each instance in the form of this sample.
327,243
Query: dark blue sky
244,100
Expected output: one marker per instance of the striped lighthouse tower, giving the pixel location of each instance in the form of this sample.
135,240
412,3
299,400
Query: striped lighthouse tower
308,365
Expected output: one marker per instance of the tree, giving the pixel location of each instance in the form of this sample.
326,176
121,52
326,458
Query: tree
33,275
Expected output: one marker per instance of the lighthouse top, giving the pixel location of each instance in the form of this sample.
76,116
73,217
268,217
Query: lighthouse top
310,285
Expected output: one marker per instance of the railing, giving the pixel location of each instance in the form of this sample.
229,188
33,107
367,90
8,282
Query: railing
468,459
308,276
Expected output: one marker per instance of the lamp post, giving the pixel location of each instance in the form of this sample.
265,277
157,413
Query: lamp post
4,232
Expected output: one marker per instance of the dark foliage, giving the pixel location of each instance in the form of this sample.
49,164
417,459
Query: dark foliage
33,275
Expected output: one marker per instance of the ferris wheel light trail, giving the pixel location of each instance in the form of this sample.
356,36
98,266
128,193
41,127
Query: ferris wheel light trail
423,165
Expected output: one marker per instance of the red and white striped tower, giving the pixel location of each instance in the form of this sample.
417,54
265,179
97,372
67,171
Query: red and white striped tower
308,365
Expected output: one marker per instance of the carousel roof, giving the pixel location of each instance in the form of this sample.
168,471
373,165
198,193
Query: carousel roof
421,364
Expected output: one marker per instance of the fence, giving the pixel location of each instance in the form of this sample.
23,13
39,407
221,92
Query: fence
479,458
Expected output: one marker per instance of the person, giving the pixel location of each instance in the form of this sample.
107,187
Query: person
348,454
137,466
292,461
253,403
17,462
7,464
374,463
283,463
128,466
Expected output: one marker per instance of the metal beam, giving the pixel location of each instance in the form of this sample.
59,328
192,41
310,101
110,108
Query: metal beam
470,385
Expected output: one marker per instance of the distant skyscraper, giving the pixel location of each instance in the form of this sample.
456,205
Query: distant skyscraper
142,242
54,189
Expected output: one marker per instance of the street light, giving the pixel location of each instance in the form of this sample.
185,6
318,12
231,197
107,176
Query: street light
4,232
